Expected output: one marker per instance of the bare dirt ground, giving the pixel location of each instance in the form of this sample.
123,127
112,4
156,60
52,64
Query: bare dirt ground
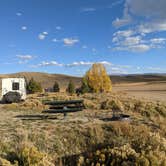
155,90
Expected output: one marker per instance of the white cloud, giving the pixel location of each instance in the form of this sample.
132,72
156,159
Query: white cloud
19,14
124,41
70,41
24,57
42,35
55,40
105,63
153,26
81,63
135,41
158,40
125,20
58,28
124,33
116,3
139,48
51,63
24,28
111,68
121,22
84,63
156,69
45,33
134,48
90,9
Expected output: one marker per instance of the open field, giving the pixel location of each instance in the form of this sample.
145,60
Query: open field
155,90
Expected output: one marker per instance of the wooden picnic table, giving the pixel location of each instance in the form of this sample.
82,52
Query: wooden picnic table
64,106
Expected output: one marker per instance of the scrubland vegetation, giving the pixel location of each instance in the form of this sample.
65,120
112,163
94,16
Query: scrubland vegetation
87,138
83,138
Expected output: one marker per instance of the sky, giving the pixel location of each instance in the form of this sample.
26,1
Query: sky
68,36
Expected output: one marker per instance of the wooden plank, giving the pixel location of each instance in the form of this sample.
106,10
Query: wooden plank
63,102
62,110
68,107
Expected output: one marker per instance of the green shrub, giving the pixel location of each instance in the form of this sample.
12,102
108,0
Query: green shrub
71,87
56,87
33,86
85,87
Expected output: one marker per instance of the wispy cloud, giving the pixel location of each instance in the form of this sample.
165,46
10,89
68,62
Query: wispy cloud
55,40
19,14
58,27
110,67
45,64
129,40
24,58
156,69
88,9
116,3
125,20
70,41
24,28
45,33
81,63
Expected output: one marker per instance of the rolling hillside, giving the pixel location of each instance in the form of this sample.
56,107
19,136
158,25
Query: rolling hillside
47,80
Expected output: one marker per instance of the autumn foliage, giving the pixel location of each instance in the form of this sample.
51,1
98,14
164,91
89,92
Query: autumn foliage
97,79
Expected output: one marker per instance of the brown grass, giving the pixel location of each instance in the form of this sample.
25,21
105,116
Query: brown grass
81,132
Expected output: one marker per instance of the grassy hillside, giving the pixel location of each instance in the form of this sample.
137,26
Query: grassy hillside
47,80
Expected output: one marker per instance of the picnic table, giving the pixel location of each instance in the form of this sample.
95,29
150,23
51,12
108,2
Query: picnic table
64,106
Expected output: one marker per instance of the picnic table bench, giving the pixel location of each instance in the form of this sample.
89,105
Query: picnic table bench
64,106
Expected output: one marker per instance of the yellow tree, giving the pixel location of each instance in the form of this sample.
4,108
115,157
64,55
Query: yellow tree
97,79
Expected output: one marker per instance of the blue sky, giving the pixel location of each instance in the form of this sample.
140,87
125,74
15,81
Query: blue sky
68,36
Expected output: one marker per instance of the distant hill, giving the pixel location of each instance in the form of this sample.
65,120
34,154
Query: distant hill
47,80
134,78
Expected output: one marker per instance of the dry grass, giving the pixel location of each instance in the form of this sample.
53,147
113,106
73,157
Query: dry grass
81,132
150,91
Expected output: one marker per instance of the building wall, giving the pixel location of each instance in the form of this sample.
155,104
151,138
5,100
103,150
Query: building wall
7,86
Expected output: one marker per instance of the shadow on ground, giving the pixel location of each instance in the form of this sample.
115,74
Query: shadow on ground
35,117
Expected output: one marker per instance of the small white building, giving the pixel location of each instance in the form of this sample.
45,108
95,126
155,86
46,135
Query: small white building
14,85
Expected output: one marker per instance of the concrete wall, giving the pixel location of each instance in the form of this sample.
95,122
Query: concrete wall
7,86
